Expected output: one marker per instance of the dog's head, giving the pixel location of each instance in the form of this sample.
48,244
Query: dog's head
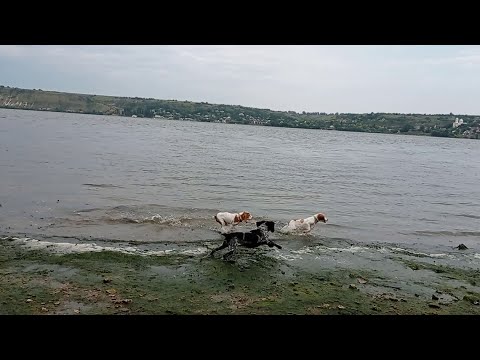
245,215
321,217
270,225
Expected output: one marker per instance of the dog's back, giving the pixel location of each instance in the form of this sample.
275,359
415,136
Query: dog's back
305,225
251,239
225,218
296,225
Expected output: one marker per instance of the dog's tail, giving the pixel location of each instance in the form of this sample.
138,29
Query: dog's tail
272,244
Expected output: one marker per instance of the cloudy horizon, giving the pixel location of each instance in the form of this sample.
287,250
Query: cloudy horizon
344,79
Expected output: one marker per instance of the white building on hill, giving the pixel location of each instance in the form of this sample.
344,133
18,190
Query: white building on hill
457,122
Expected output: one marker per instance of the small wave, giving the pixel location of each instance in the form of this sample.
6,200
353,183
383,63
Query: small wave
79,212
420,254
358,249
168,220
294,233
340,226
305,250
68,248
469,216
325,249
288,257
409,252
191,252
383,250
429,220
352,249
444,233
122,220
62,247
103,185
198,251
155,219
158,208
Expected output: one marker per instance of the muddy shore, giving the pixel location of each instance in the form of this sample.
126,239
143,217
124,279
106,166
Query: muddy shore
43,281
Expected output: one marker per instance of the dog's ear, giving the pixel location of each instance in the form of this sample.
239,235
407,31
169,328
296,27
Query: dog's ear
260,223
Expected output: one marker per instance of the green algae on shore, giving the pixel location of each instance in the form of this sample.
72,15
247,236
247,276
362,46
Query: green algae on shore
105,282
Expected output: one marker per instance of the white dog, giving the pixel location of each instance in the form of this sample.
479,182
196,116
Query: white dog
304,225
226,219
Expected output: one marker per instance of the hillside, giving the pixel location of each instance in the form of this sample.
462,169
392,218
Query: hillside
415,124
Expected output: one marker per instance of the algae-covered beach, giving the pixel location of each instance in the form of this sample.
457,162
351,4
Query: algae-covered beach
47,280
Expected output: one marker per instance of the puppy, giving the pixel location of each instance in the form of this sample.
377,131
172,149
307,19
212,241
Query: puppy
252,239
229,219
304,225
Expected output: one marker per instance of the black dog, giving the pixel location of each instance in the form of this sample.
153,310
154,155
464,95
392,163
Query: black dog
252,239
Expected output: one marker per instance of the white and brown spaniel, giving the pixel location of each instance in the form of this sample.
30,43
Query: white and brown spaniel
231,219
304,225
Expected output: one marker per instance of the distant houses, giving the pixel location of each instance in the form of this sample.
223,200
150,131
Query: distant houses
457,123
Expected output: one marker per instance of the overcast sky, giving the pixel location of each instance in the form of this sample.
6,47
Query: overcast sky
357,79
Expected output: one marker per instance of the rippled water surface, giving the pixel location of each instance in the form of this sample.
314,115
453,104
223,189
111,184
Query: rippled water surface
152,181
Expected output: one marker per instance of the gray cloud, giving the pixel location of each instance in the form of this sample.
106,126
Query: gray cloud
424,79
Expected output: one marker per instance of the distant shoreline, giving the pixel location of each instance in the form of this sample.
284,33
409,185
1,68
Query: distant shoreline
437,125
